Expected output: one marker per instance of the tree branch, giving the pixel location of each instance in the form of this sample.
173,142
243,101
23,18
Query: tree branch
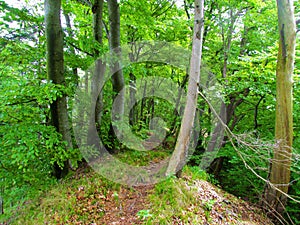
22,102
256,112
79,49
156,12
186,10
106,29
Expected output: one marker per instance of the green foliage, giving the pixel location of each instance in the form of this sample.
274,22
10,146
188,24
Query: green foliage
195,173
293,208
168,201
171,198
141,158
72,199
236,177
144,214
29,146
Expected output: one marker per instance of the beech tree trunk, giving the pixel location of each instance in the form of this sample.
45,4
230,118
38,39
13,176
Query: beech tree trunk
117,77
55,71
114,43
97,78
179,156
99,68
281,162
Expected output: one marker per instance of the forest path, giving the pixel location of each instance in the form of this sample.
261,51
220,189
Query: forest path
211,205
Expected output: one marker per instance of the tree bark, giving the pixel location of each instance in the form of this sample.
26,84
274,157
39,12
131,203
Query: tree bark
72,49
132,92
179,156
97,77
117,78
281,162
114,42
99,73
1,206
173,127
55,71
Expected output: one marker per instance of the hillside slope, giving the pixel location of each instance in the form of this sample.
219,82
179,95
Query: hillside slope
88,198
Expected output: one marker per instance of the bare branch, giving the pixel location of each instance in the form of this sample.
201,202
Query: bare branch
79,49
232,137
106,29
186,10
22,102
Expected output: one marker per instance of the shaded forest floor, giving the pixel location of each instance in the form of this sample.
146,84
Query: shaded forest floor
87,198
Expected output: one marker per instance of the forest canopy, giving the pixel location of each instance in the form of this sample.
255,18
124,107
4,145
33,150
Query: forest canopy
133,63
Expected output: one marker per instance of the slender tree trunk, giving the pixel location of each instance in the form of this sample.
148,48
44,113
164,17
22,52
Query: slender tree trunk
151,101
226,111
72,50
117,78
55,71
114,42
74,68
209,162
132,92
97,76
99,73
256,112
143,105
174,128
1,206
179,156
281,162
97,23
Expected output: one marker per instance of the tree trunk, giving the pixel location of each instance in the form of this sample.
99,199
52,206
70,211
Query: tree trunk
100,70
55,71
173,127
132,92
281,162
97,77
114,42
208,161
1,206
179,156
117,78
72,50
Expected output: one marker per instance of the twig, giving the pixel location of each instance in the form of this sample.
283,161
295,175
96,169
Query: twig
232,136
79,49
